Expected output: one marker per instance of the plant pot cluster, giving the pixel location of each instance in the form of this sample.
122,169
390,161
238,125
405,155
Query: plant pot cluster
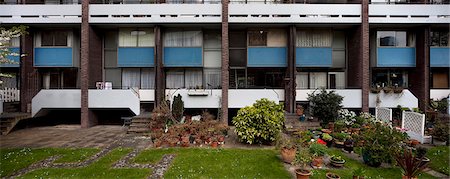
211,133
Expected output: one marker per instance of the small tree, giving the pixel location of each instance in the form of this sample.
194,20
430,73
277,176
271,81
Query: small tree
325,105
5,37
177,107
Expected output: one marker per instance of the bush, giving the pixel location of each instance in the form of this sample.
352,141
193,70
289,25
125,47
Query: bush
325,105
177,107
441,131
260,123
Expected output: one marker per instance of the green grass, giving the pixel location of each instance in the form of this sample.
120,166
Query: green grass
439,159
219,163
370,172
15,159
99,169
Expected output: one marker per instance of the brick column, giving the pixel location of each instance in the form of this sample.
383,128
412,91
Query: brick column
419,77
225,62
365,86
159,74
84,64
289,90
95,57
29,76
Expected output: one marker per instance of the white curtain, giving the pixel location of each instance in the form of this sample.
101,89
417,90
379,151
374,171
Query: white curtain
192,38
147,78
276,38
302,80
174,79
212,78
131,78
146,38
126,39
193,78
173,39
314,38
318,80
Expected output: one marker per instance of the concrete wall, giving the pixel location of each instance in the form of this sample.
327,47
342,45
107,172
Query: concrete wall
392,100
352,97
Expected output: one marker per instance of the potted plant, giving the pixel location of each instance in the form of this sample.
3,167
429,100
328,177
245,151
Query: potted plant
420,154
288,149
398,89
302,157
375,89
317,151
356,127
328,139
337,161
388,89
348,145
332,176
409,165
339,139
358,173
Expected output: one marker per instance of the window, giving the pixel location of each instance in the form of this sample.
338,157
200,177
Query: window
267,38
54,38
142,78
14,42
395,39
212,78
315,80
193,79
184,78
238,49
257,38
395,78
439,79
183,39
212,50
136,38
440,38
314,38
256,78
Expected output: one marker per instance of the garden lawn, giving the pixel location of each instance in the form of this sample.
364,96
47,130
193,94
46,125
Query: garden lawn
219,163
370,172
15,159
439,159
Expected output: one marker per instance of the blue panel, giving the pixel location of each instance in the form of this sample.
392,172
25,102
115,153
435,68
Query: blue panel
314,57
135,57
53,57
15,59
440,57
267,57
183,57
396,57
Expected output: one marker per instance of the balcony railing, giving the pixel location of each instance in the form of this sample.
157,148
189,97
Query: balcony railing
409,2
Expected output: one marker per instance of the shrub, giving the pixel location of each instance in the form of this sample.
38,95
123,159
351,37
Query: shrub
441,131
177,107
260,123
325,105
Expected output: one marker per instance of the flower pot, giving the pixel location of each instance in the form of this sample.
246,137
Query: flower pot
332,176
338,144
337,163
317,162
303,173
406,177
214,144
424,160
288,154
329,143
331,126
221,138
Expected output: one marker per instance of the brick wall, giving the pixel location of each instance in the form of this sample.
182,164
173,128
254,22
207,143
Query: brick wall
225,62
419,80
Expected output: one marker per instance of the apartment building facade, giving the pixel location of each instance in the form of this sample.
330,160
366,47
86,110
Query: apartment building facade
226,54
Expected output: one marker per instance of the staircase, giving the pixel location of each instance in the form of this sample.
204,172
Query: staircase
9,120
293,123
140,125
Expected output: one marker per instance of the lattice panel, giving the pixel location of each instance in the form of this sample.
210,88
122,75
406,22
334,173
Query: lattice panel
384,114
414,122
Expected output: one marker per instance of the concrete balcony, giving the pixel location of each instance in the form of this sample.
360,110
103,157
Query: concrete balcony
392,100
40,14
295,13
352,97
408,13
204,98
155,13
71,99
239,98
438,94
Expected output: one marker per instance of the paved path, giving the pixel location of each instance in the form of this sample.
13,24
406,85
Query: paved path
72,136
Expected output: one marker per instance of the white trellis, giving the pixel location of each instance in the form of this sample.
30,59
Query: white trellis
9,95
414,123
384,114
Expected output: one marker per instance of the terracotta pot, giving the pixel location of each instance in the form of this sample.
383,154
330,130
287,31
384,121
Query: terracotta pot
288,155
157,143
221,138
406,177
414,142
214,144
317,162
332,176
302,173
337,164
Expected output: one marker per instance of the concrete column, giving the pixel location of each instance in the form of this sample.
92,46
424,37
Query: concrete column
419,77
84,64
225,62
159,74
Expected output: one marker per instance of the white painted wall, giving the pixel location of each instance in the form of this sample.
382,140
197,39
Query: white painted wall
118,99
352,97
57,99
36,14
147,95
409,13
439,93
212,100
239,98
392,100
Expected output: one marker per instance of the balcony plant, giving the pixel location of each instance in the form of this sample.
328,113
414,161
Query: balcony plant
375,89
388,89
398,89
302,157
337,161
317,151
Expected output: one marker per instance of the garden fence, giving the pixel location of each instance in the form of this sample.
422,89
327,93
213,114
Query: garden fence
9,95
414,123
384,114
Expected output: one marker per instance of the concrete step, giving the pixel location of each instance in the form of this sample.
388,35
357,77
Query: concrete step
138,130
140,125
140,121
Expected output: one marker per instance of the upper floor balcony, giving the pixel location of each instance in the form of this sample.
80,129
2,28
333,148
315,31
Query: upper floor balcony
39,13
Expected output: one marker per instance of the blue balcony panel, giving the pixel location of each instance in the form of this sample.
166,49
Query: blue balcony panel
15,60
314,57
440,57
135,57
53,57
267,57
396,57
183,57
